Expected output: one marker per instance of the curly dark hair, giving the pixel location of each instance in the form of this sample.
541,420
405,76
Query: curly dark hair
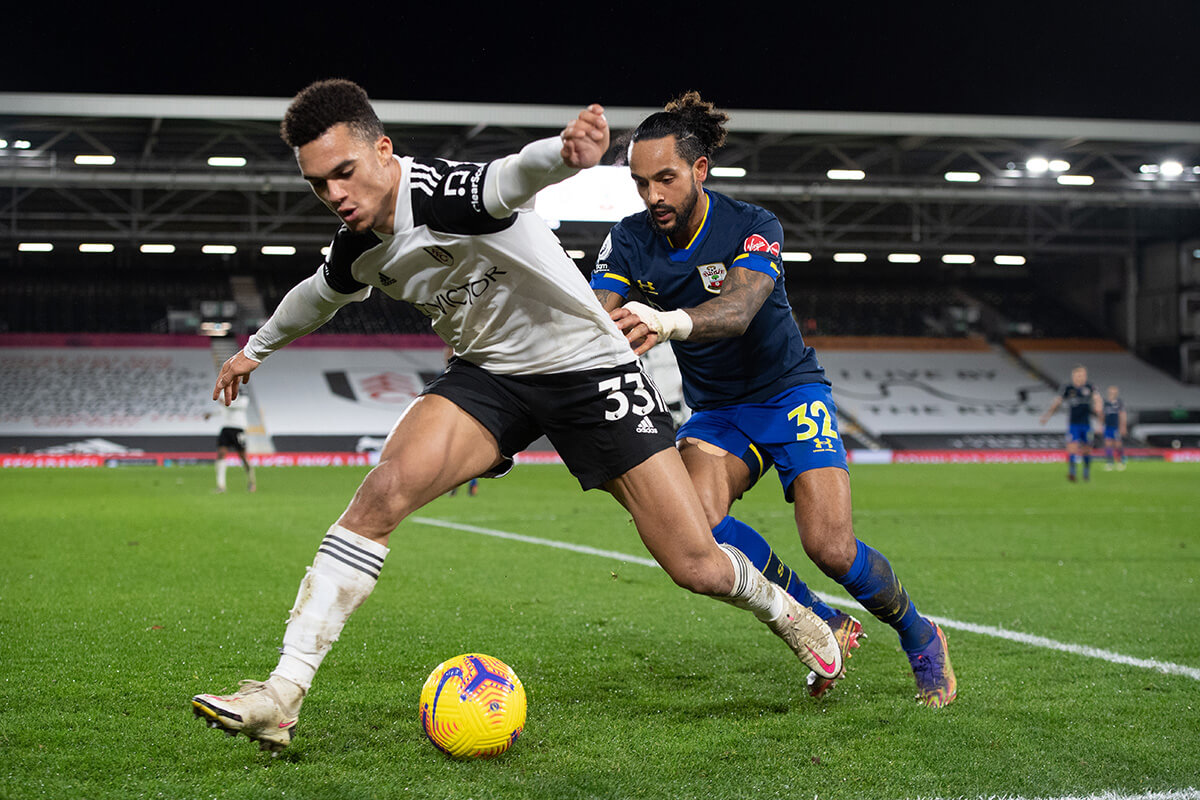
697,125
322,105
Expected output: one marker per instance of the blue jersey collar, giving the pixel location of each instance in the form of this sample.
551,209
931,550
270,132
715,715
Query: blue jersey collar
683,253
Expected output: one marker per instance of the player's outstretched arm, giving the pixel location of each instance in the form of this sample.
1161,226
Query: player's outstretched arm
724,317
730,313
512,181
234,372
1050,411
585,138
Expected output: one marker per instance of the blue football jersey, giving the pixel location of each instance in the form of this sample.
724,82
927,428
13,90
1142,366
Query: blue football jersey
1112,412
771,355
1078,400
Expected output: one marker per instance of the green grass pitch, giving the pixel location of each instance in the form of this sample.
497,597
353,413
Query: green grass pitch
125,591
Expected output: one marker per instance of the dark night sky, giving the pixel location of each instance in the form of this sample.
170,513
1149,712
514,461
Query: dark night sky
1138,61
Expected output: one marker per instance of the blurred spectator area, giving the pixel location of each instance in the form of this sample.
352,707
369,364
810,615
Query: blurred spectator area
77,300
377,314
75,297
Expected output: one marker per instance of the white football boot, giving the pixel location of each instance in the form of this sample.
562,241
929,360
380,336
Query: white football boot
811,639
258,709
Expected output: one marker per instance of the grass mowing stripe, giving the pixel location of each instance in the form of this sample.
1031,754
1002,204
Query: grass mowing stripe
1179,794
970,627
517,537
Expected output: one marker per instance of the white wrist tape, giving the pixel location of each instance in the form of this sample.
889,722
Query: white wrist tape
667,324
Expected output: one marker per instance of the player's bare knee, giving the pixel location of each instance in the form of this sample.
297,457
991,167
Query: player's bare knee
382,500
694,574
832,547
707,576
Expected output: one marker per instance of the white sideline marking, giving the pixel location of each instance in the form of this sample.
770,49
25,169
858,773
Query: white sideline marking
985,630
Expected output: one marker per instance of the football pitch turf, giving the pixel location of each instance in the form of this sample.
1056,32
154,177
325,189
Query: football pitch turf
1072,613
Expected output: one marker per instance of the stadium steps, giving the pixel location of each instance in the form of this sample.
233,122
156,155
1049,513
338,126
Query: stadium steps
851,426
257,440
249,300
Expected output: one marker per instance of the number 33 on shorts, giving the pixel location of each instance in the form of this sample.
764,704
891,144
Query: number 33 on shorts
634,392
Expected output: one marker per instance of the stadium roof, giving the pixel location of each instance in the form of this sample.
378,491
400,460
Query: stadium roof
877,183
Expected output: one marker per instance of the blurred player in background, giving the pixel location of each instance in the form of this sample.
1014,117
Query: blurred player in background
233,437
1115,429
1082,401
710,270
534,353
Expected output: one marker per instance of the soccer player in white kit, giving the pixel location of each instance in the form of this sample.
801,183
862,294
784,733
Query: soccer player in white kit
536,353
232,436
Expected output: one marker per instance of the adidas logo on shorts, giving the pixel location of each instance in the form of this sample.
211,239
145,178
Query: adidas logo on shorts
646,426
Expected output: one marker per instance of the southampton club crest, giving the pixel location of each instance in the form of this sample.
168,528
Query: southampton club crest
712,276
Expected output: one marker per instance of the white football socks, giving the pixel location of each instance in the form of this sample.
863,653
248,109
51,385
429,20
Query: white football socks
341,577
221,467
751,590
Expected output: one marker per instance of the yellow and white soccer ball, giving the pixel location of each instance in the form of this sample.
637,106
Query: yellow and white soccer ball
473,706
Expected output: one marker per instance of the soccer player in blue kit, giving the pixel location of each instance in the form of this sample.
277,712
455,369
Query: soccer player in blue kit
1115,428
1082,401
709,270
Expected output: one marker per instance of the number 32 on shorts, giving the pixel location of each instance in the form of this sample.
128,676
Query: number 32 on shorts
813,417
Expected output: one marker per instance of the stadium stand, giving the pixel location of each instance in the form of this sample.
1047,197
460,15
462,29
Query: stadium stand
52,396
937,393
916,363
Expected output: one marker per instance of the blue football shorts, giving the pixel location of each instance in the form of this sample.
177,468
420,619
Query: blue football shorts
1112,433
1079,433
795,430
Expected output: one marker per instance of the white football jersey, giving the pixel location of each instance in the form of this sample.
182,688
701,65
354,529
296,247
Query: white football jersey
235,415
502,293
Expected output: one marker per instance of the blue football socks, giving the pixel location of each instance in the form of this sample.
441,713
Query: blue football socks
873,583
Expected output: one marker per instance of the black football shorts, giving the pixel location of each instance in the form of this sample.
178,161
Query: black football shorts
233,438
602,422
